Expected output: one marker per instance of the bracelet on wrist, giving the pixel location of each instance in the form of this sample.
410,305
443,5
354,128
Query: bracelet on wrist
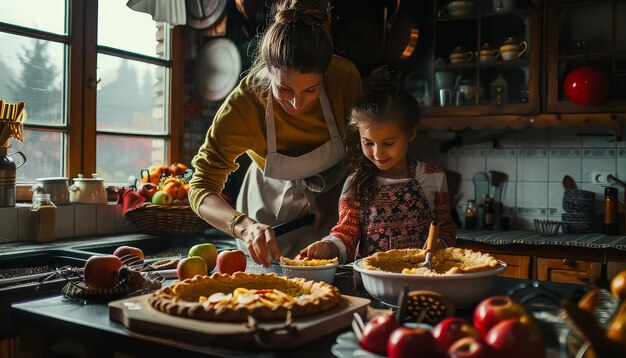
232,221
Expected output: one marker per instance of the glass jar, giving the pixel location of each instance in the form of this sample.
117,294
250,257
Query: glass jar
470,215
43,218
489,213
610,211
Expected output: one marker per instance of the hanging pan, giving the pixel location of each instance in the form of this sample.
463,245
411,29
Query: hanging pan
401,34
203,14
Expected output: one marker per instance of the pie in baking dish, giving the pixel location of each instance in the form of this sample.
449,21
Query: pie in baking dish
221,297
451,260
307,262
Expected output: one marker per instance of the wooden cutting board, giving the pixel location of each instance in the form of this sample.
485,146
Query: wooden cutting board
136,314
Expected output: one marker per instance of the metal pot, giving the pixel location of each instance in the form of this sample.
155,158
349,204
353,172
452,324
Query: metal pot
88,190
7,176
57,187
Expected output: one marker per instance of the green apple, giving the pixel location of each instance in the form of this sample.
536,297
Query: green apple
208,252
162,198
189,267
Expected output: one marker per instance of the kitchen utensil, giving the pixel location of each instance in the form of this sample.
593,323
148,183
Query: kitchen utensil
88,190
7,176
324,273
57,187
460,8
459,55
216,69
512,50
503,5
569,183
401,35
487,53
289,226
202,14
547,227
431,244
481,189
461,289
498,182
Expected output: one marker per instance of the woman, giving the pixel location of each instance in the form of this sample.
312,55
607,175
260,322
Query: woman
288,114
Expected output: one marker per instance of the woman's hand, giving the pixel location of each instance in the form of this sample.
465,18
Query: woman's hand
261,243
320,250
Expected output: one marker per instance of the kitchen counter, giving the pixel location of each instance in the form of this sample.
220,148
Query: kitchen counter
44,322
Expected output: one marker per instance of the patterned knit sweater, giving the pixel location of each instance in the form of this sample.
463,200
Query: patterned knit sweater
403,217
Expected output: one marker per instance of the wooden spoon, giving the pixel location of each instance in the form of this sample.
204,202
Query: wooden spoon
431,244
569,182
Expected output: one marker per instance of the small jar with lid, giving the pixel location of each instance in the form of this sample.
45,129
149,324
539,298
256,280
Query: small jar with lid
610,211
43,218
470,215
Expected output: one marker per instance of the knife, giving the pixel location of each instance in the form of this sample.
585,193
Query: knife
289,226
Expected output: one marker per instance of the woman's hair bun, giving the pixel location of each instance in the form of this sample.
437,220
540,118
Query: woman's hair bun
383,79
309,12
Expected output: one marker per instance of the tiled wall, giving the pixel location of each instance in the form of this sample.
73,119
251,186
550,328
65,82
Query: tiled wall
73,220
536,161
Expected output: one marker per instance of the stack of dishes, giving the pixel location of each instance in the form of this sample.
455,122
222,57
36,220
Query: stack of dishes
578,217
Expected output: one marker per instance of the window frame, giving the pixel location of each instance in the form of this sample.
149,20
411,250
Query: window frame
81,88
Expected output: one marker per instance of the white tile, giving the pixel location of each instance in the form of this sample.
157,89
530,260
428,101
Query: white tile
532,196
105,219
509,198
559,167
532,165
503,160
84,220
565,138
23,222
509,141
555,197
65,221
8,224
597,164
621,164
533,138
470,162
607,141
525,223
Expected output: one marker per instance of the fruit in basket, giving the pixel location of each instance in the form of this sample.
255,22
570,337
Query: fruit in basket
375,335
162,198
100,272
451,330
618,285
231,261
147,190
405,342
189,267
178,168
512,339
208,252
494,309
128,250
471,347
175,187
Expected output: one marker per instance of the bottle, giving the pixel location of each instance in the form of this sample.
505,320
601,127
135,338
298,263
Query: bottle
470,215
43,218
610,211
489,213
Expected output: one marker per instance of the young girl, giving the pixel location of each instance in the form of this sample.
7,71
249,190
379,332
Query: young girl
389,201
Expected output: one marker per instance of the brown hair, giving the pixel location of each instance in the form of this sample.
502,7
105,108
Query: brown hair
384,100
295,40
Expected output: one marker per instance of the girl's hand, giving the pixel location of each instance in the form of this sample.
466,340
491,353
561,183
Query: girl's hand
320,250
261,243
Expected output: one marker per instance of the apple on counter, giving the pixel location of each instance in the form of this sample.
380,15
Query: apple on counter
405,342
494,309
451,329
375,335
189,267
471,347
512,338
231,261
100,272
208,252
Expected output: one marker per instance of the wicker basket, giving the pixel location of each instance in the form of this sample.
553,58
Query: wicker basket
167,220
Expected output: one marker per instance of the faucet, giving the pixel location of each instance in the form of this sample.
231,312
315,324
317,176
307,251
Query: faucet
613,179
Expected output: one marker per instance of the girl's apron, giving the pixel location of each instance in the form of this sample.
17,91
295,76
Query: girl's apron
286,188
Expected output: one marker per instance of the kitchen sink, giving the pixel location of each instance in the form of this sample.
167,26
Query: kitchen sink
160,247
20,277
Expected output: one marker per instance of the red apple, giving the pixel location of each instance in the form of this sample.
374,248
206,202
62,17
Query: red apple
513,339
451,330
376,333
128,250
147,190
494,309
471,347
407,342
189,267
231,261
101,271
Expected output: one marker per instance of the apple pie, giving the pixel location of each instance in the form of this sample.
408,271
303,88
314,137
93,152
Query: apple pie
234,297
308,262
451,260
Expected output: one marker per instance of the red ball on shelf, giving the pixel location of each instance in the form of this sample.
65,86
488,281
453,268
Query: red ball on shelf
587,85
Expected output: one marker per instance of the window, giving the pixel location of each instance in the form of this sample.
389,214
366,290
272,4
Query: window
97,80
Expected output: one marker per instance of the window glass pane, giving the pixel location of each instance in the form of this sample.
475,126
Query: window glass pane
132,96
123,28
44,15
33,71
45,155
121,156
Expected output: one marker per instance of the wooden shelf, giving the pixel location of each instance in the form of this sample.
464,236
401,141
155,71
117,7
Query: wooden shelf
455,18
492,14
462,66
582,56
502,63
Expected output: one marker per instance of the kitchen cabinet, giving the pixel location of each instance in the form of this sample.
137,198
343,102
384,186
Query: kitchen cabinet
568,270
518,266
586,33
8,347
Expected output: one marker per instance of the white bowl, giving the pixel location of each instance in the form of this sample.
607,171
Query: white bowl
324,273
462,289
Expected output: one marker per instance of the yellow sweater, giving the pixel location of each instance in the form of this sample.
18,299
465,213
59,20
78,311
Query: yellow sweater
239,127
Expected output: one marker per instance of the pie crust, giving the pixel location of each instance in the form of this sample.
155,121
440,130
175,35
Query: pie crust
451,260
308,262
222,297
